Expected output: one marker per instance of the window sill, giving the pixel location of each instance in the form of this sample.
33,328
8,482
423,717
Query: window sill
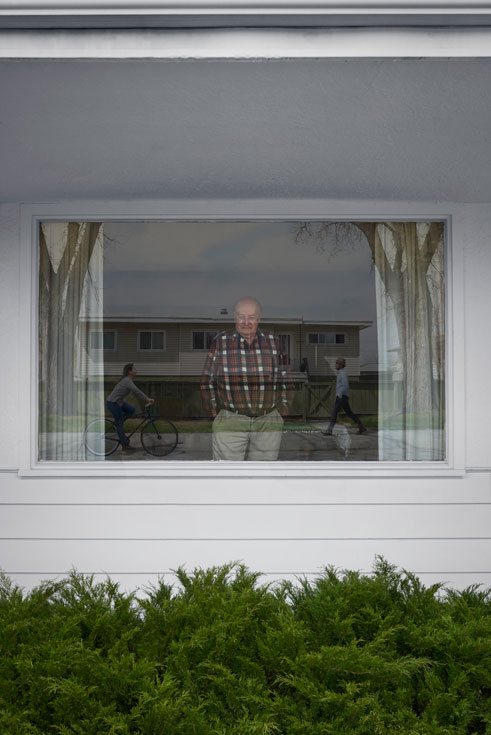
369,470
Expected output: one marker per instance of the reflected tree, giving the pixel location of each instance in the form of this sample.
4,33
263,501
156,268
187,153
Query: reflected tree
66,250
408,258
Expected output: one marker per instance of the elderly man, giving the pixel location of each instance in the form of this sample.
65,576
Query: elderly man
244,388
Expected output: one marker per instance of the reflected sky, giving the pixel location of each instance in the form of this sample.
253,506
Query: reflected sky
197,268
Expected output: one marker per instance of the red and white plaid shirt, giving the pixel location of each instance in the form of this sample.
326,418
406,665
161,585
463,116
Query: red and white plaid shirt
249,379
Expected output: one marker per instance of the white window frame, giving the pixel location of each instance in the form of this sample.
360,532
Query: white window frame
280,210
152,349
104,349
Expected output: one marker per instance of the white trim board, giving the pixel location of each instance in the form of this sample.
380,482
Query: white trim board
246,44
190,210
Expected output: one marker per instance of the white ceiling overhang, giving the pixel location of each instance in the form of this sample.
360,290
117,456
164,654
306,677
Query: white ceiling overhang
105,100
405,129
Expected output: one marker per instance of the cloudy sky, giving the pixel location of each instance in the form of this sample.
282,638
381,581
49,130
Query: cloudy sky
197,268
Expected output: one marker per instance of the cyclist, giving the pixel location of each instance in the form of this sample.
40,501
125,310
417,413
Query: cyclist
119,408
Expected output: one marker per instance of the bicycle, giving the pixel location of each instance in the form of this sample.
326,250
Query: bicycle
158,435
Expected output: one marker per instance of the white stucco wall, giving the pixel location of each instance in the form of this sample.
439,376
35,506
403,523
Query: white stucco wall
135,528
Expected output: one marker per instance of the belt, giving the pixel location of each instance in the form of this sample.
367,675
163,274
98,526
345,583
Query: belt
253,415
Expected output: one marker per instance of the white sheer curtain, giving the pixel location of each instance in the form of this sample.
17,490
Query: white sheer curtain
410,321
71,386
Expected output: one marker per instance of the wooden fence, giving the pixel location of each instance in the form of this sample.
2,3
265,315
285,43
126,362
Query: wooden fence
181,397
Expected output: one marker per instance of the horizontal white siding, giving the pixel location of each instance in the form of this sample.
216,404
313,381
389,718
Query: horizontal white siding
180,356
473,489
192,362
144,368
278,557
322,358
127,344
352,365
136,529
200,522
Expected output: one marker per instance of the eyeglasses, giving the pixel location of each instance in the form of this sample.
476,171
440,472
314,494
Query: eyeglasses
246,318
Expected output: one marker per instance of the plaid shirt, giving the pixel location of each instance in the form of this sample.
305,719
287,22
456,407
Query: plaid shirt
248,379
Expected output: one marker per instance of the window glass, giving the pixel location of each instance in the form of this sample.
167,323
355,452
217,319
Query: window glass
198,340
203,340
157,340
325,338
293,341
96,340
151,340
285,342
109,340
103,340
145,340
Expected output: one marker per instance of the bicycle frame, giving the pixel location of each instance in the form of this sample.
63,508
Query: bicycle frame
144,419
164,433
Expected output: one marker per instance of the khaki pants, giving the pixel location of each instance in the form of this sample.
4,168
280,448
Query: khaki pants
235,436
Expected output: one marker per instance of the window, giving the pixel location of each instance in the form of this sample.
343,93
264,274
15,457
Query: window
152,341
325,338
105,340
285,342
361,303
203,340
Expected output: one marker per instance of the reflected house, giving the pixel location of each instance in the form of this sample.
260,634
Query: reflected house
170,351
177,346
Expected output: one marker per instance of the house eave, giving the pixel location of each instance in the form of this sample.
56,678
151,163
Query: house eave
229,13
287,321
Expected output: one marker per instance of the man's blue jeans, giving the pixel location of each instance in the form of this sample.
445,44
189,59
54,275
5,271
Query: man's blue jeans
342,404
121,413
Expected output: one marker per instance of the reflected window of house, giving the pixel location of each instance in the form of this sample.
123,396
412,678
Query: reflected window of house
325,338
285,342
152,341
103,340
203,340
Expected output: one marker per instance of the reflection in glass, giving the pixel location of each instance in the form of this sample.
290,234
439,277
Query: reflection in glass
161,295
71,377
245,388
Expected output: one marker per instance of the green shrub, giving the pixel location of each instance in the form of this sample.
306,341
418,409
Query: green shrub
222,654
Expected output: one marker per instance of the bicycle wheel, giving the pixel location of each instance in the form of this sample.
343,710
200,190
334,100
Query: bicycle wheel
101,437
159,436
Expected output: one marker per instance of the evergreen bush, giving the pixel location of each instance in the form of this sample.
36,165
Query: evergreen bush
222,654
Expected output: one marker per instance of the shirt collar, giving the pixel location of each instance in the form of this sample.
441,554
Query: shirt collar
258,335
